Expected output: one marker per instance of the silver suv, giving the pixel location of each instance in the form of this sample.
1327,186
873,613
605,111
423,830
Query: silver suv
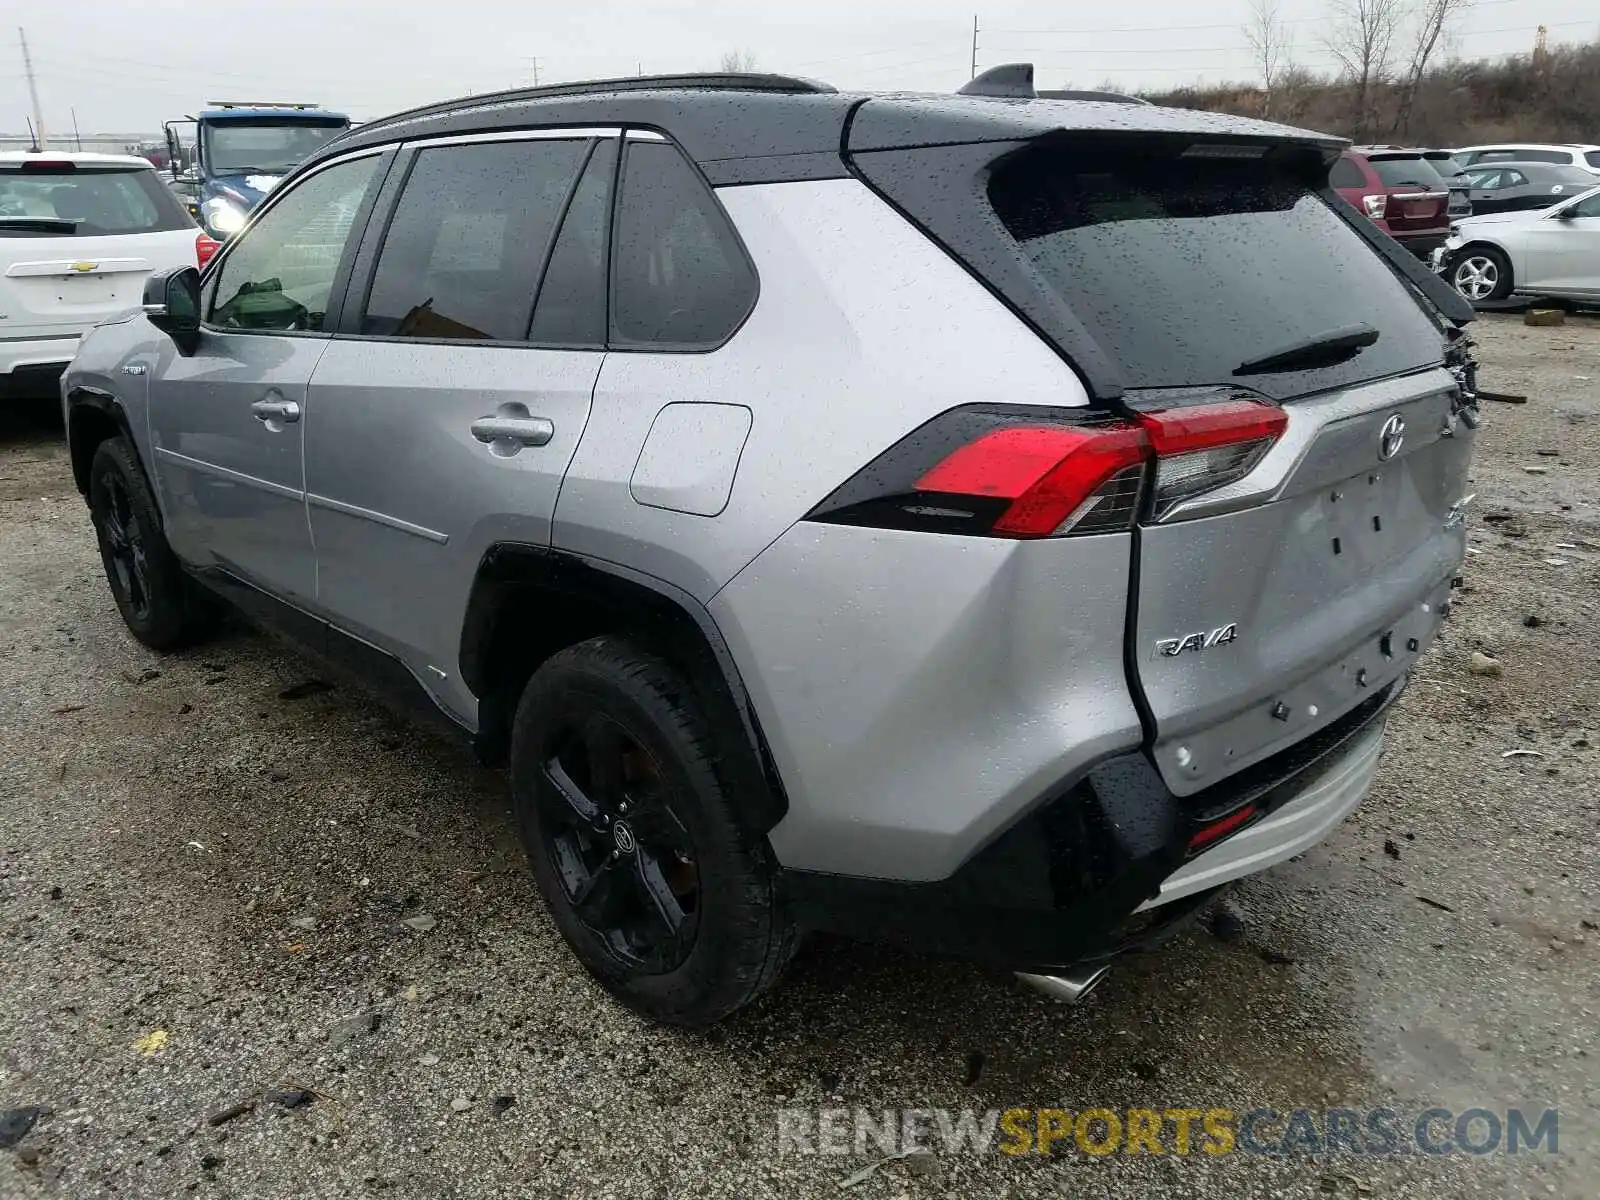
979,523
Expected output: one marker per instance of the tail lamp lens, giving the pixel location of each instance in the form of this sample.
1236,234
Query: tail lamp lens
1207,447
1375,206
204,247
1012,473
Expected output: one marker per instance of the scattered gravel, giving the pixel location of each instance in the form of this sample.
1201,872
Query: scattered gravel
304,897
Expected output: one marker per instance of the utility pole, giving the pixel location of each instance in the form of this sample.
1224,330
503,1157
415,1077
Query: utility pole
974,74
33,89
533,63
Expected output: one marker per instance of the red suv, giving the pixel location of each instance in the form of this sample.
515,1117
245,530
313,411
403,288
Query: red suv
1400,190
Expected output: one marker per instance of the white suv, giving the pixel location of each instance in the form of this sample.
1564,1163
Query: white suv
79,235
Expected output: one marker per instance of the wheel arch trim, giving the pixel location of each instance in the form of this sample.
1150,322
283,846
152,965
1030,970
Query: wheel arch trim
82,398
507,565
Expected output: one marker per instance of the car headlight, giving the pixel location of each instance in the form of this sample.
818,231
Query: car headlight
222,217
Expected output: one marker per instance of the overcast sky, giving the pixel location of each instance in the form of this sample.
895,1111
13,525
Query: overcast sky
126,67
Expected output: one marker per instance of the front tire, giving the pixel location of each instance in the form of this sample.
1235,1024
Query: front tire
662,891
160,605
1482,274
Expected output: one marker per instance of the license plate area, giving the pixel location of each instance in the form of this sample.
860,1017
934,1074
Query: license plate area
1296,711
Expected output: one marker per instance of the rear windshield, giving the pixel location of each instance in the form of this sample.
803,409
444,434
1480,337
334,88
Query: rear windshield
1406,171
1447,167
1184,270
40,200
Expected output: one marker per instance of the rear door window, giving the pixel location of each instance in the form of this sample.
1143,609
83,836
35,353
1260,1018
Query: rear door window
680,278
572,297
1184,270
462,254
85,201
1592,157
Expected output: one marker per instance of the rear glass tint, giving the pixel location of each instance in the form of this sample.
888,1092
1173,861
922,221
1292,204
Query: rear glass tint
94,201
1592,158
1406,171
1346,174
1185,269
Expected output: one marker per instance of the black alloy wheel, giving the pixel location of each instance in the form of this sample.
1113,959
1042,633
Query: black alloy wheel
625,860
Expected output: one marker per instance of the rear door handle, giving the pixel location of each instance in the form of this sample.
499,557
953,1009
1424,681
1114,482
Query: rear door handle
528,431
286,411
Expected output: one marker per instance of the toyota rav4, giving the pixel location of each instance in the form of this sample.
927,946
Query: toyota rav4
983,523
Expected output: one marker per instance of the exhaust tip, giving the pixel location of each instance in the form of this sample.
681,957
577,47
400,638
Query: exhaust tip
1071,987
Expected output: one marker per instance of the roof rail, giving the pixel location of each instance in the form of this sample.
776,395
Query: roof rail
1009,81
260,104
717,81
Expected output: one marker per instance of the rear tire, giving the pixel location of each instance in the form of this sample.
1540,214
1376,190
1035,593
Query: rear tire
664,894
161,606
1482,274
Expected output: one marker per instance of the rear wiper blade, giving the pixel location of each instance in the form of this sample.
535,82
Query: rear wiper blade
40,224
1325,349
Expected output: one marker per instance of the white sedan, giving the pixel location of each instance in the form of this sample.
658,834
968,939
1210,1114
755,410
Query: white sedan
1552,252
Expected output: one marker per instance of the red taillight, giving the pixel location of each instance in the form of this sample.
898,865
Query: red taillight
1221,828
204,247
1204,447
1016,473
1047,472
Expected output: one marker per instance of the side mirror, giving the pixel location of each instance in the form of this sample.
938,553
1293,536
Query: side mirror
172,305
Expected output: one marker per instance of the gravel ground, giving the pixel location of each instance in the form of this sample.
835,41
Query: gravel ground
213,888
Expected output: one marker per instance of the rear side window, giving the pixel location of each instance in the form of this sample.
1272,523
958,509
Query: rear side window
1346,174
572,298
1592,158
462,254
680,278
1414,171
86,201
1184,270
1527,155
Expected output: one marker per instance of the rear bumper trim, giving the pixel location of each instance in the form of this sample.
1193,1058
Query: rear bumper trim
1292,829
1101,867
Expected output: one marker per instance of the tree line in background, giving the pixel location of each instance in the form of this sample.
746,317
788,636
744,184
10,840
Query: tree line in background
1391,86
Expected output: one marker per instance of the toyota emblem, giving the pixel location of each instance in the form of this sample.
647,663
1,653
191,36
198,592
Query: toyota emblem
1391,437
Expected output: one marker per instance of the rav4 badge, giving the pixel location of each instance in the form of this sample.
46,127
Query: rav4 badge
1174,646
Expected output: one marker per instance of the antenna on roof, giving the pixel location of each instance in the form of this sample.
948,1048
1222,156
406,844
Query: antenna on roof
1009,81
33,137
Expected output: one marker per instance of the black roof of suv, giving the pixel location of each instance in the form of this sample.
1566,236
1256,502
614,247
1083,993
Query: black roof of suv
767,128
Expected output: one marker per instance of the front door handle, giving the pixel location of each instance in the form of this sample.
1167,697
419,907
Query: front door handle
526,431
286,411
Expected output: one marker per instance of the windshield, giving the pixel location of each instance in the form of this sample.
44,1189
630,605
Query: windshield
66,199
1182,269
264,147
1406,171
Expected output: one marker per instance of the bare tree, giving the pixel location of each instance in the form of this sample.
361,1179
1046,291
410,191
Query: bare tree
1433,20
738,62
1361,36
1270,45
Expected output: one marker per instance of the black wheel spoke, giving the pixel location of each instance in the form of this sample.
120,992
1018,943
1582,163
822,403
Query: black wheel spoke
577,800
663,901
